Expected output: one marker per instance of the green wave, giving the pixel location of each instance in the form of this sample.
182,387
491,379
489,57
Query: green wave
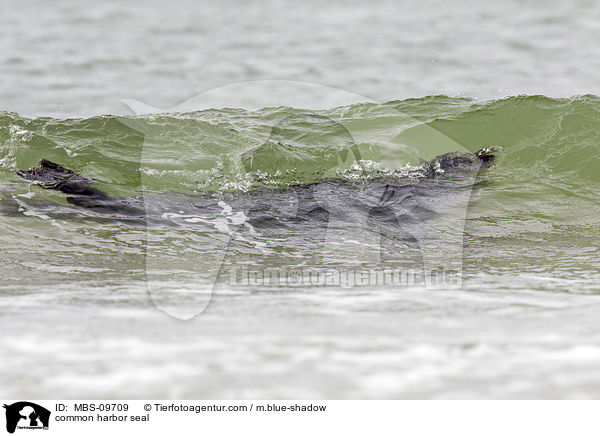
545,141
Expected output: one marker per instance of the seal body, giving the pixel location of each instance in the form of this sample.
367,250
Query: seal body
383,200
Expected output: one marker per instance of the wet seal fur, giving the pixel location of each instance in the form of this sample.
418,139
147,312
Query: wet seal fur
382,194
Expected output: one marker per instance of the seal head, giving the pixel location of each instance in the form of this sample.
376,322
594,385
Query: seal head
457,162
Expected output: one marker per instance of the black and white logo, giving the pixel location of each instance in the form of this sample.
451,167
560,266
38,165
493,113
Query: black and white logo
26,415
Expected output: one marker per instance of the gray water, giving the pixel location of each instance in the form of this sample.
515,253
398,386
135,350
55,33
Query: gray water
81,58
76,309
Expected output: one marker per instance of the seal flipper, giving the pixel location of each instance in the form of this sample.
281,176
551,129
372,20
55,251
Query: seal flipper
50,175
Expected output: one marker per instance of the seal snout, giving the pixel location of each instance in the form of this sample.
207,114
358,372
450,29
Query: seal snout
487,156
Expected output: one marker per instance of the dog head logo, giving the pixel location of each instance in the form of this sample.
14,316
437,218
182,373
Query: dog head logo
26,415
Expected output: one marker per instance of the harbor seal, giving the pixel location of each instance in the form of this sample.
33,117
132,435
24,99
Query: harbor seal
382,199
